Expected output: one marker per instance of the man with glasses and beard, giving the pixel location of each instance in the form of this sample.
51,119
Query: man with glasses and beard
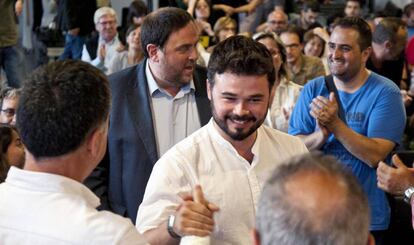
225,163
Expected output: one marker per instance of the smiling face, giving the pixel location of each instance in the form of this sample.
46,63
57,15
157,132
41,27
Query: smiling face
202,10
176,60
106,27
239,104
345,58
314,47
134,39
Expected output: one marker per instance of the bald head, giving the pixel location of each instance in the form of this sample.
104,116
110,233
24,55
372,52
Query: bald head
312,200
277,21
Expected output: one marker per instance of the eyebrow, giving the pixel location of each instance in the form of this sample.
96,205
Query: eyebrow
339,45
235,95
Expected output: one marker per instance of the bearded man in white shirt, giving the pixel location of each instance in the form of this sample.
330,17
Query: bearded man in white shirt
225,163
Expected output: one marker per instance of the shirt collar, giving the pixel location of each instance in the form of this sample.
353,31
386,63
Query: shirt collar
213,131
46,182
153,86
108,43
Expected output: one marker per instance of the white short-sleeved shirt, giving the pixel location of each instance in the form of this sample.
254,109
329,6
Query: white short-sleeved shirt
42,208
227,179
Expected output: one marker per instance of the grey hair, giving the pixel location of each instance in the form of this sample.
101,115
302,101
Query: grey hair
281,221
103,11
9,93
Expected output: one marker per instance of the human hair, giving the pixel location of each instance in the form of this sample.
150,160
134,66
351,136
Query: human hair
60,104
99,13
408,9
160,24
294,30
361,2
360,26
311,5
137,8
221,23
309,35
273,36
9,93
241,56
284,218
6,135
130,29
387,30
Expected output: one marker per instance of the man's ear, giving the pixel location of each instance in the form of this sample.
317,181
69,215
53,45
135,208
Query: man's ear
366,54
208,89
152,50
255,237
94,140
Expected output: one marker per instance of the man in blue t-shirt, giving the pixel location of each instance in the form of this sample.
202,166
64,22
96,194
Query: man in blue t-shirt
375,115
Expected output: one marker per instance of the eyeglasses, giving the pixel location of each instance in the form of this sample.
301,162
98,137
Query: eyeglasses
110,22
274,22
9,112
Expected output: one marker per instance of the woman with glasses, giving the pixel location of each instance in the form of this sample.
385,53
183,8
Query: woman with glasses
284,93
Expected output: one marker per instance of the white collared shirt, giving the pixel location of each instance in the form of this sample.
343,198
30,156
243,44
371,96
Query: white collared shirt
174,117
42,208
286,95
227,179
111,51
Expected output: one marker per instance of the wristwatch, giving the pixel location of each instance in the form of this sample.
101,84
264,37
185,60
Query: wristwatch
170,224
408,194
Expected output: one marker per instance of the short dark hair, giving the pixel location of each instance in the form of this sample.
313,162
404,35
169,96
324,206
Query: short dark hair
137,8
361,2
9,93
260,36
387,30
294,30
360,26
242,56
60,104
280,218
311,5
158,26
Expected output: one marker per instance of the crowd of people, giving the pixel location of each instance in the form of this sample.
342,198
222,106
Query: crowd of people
211,123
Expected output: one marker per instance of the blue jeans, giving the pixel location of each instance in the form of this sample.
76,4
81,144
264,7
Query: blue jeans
73,47
11,61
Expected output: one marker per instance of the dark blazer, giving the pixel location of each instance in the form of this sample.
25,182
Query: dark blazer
121,178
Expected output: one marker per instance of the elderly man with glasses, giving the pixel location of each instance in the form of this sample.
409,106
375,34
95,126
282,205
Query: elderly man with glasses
102,45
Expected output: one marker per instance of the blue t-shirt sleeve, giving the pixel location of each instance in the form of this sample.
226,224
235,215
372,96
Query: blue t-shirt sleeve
387,120
301,122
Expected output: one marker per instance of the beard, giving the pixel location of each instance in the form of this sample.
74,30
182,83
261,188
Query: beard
237,134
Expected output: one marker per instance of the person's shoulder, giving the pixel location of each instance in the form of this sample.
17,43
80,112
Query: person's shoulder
281,139
192,142
382,83
127,77
107,227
